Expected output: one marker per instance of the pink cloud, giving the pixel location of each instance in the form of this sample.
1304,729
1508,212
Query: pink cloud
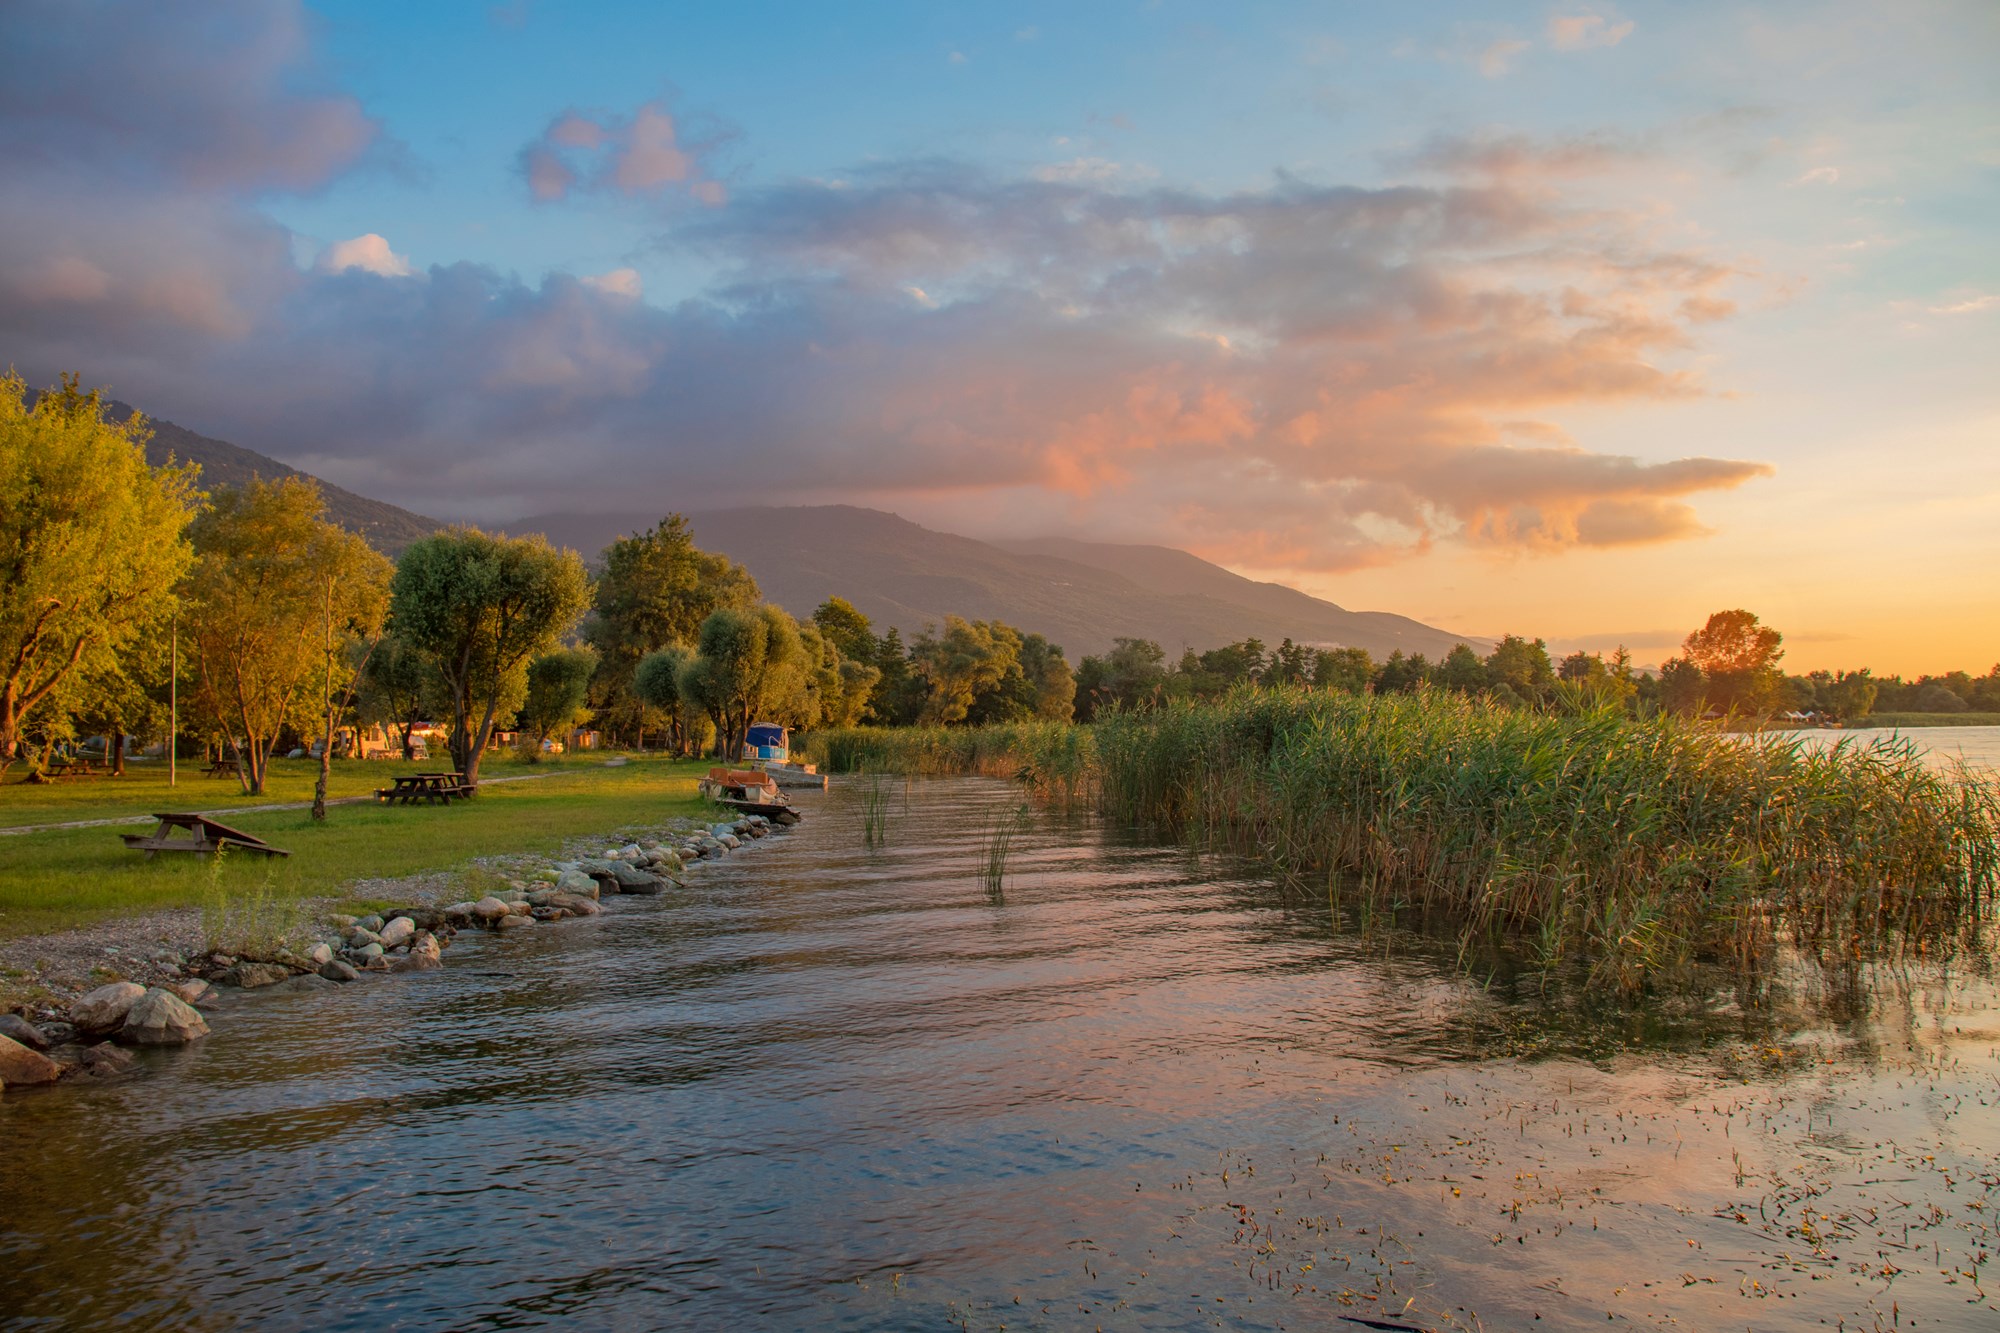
639,156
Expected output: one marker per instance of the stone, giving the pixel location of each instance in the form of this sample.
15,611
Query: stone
19,1065
335,970
339,921
398,932
370,923
251,976
368,953
730,840
720,831
546,915
521,908
162,1018
461,913
21,1030
424,918
652,887
540,898
320,954
193,992
510,921
58,1032
667,859
106,1061
358,936
576,904
221,960
103,1009
490,909
576,882
631,851
309,981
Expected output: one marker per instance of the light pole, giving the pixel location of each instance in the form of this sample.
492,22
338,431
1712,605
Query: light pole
174,700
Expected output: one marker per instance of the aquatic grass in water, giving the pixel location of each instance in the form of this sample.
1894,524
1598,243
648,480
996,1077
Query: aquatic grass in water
875,810
1633,847
997,846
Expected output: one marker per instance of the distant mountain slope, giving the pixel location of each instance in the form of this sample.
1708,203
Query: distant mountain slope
386,527
1081,595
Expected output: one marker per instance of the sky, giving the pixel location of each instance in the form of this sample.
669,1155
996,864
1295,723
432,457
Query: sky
1578,321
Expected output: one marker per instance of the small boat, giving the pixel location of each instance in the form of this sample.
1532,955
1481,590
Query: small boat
767,741
750,791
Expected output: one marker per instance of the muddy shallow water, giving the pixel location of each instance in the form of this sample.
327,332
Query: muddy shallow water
829,1086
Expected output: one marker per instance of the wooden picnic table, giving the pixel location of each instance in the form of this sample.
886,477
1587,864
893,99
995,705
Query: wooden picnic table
220,768
205,837
430,788
62,769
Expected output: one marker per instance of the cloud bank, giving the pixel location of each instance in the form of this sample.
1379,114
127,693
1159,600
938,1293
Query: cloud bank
1307,375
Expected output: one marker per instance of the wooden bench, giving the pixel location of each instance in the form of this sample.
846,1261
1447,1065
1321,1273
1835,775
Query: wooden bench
220,768
205,837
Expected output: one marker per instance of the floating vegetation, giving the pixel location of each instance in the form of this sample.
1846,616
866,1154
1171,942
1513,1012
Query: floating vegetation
1634,847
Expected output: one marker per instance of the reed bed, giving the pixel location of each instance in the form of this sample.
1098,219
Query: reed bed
1631,847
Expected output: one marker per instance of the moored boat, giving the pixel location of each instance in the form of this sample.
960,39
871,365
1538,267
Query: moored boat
750,790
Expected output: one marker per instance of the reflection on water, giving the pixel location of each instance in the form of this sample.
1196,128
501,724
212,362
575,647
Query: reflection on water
830,1086
1978,747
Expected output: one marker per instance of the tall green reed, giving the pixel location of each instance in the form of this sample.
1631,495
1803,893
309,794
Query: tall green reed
1633,847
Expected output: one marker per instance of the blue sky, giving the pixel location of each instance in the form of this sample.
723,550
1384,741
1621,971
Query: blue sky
1576,319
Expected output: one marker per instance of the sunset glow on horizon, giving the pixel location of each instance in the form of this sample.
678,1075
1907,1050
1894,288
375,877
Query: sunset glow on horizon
1578,321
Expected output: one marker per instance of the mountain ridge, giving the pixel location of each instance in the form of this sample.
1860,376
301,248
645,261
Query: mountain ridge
1082,595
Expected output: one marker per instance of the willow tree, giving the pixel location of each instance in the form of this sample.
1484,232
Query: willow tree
92,542
744,662
275,600
479,608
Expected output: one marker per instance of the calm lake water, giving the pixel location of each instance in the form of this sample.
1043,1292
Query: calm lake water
829,1087
1978,747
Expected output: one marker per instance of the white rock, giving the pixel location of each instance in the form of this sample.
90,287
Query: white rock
490,908
398,932
162,1018
103,1009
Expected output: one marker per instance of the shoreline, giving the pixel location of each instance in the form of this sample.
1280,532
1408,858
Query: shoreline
93,992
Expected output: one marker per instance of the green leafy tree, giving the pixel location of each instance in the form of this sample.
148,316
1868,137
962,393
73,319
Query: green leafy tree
957,664
1347,670
1523,666
92,543
275,596
846,628
1132,675
479,607
396,686
1461,670
657,589
1738,660
1400,674
557,697
1682,688
657,684
745,662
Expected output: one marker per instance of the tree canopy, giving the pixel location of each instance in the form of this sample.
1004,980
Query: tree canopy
92,542
478,607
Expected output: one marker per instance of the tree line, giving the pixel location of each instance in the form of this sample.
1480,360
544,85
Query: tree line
128,590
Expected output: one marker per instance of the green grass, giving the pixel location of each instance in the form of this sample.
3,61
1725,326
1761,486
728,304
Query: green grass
1632,848
144,787
1930,720
69,877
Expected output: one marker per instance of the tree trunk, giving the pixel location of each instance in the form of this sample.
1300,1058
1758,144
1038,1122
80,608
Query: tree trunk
117,754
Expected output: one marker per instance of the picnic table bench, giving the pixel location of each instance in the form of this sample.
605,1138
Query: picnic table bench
70,769
430,788
220,768
206,837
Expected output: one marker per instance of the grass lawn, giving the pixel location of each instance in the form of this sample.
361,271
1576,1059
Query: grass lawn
69,877
144,787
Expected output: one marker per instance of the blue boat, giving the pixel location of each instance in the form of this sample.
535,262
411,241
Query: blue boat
768,742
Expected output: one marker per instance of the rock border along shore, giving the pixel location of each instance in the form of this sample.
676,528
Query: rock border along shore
92,1037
